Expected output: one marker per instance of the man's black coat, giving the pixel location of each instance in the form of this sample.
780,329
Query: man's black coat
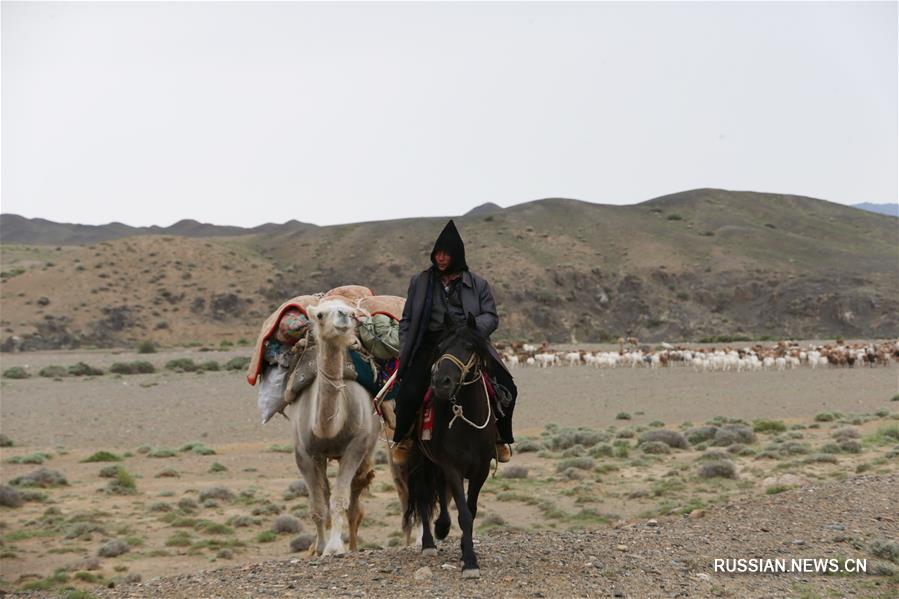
474,292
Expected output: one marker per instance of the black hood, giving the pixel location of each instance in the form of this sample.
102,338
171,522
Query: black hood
450,242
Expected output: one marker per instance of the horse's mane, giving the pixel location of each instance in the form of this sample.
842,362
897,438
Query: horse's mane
466,334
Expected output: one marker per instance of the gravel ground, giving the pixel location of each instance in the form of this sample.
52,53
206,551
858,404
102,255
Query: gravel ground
668,558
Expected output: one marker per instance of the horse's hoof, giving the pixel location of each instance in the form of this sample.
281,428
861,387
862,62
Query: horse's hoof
471,573
441,530
429,552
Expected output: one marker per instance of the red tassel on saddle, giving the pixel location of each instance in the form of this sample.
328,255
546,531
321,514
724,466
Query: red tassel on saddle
427,417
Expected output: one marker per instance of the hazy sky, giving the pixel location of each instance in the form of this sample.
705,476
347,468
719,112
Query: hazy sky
244,113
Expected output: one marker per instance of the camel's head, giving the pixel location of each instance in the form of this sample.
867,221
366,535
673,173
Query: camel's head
333,322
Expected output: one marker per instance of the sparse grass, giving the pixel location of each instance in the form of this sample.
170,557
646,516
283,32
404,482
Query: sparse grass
213,528
622,416
136,367
181,538
16,372
266,536
146,346
885,435
56,579
31,458
217,467
162,452
238,363
197,448
824,417
123,484
182,364
775,489
769,426
577,463
83,369
280,448
885,549
102,456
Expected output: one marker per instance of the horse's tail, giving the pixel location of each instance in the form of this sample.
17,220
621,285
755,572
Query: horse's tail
422,488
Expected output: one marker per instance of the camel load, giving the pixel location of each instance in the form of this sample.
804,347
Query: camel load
283,365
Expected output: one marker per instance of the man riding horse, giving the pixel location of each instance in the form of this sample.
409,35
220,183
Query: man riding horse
446,292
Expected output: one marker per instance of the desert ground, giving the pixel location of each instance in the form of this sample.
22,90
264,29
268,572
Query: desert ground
625,482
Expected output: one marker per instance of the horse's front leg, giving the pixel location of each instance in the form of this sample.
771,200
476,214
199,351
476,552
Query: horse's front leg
443,523
469,559
475,483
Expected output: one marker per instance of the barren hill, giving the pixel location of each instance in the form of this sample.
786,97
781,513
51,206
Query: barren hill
685,266
39,231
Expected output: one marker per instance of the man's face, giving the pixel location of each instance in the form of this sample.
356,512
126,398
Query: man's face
442,259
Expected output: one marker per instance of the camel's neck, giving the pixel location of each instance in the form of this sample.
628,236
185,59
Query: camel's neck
330,407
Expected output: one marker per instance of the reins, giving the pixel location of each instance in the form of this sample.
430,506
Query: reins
465,368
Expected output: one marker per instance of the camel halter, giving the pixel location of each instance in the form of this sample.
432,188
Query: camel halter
465,368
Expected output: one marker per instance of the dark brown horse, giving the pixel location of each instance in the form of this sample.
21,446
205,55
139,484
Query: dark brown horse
462,445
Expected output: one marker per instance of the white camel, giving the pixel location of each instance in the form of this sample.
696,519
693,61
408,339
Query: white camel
332,419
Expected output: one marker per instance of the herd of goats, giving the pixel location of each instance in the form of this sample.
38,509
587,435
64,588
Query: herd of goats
784,355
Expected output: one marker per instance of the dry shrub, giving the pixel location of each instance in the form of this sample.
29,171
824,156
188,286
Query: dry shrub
528,445
41,478
296,489
718,469
301,543
222,493
668,437
113,548
700,434
10,497
578,463
733,433
286,524
655,447
514,472
847,432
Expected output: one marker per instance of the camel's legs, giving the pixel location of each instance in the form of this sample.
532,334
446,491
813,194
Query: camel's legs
315,474
355,512
349,464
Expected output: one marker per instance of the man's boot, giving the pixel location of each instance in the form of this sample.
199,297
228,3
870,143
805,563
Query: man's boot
503,452
400,451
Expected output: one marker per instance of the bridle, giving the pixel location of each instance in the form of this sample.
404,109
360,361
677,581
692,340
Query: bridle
465,368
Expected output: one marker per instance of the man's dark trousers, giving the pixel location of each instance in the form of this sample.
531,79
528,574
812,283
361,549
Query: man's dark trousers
415,383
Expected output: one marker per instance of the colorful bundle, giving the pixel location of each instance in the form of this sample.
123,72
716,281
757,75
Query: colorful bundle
292,327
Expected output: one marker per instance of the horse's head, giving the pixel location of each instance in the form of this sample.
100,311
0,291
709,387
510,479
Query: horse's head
459,357
332,322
